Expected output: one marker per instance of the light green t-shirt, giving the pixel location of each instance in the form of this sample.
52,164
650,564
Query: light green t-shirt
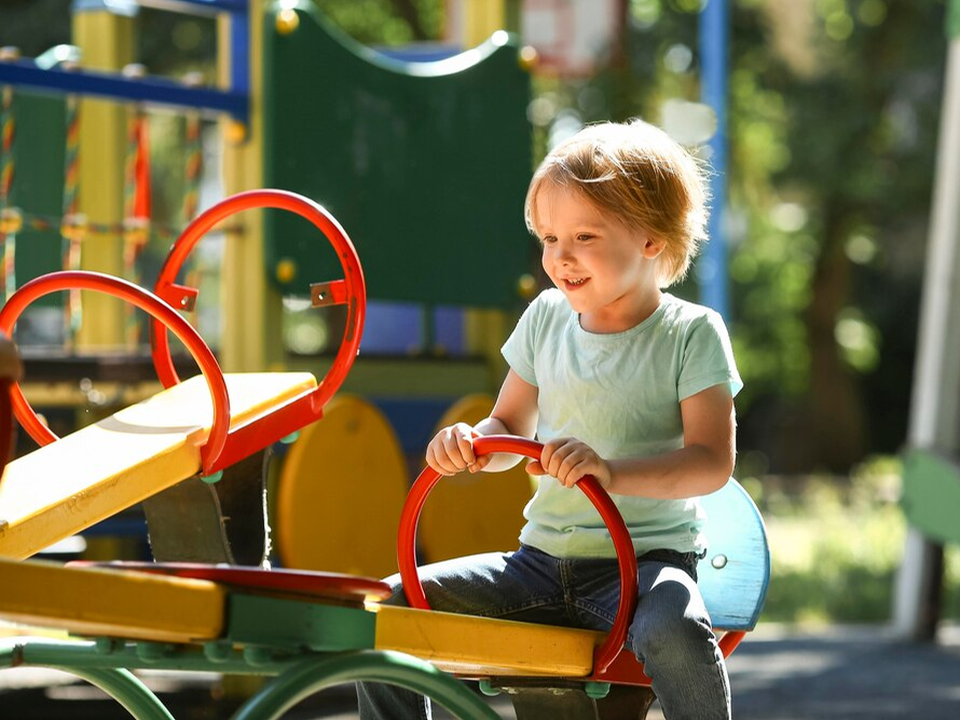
620,393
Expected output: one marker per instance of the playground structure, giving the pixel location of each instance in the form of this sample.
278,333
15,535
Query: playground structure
283,67
307,629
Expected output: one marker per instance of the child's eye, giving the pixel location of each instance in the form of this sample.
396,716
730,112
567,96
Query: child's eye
548,240
584,237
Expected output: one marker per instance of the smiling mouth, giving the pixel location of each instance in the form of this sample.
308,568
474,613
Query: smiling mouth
575,282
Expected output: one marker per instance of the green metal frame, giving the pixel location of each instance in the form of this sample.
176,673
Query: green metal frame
306,646
106,663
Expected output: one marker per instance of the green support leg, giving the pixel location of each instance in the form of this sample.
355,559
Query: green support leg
121,685
127,690
408,672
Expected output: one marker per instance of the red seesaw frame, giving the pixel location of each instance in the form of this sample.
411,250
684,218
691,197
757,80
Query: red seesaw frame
225,445
607,652
350,291
145,300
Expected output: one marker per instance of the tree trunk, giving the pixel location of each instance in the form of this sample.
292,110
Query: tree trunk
835,409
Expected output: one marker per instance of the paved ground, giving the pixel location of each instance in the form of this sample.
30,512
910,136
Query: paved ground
832,674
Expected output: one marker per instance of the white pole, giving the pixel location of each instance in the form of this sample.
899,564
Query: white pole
935,407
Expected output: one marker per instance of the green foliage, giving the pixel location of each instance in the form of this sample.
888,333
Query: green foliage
836,544
833,113
386,22
832,125
34,26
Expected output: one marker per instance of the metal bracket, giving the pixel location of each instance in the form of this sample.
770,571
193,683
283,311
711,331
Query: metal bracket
180,297
333,292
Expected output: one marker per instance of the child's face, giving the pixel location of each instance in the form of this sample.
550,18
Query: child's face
606,270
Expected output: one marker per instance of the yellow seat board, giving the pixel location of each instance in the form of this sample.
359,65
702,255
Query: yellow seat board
477,646
344,479
89,475
93,601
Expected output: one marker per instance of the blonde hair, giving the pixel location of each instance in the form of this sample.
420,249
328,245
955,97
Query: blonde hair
638,174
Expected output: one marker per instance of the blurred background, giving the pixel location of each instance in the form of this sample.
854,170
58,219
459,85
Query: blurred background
820,118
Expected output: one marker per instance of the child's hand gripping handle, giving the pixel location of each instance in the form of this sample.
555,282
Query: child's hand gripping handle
406,553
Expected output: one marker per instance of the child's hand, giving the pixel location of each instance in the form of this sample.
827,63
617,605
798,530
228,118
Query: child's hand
452,451
568,460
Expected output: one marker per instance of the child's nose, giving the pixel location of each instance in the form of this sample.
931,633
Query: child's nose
566,254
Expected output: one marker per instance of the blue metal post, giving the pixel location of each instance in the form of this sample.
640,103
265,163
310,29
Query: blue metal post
714,47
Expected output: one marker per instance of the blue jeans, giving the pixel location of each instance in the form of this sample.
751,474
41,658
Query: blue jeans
670,633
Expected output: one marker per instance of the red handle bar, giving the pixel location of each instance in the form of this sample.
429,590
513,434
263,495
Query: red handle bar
406,546
350,291
143,299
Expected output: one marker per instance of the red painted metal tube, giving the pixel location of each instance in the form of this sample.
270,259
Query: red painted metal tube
355,293
416,498
145,300
730,640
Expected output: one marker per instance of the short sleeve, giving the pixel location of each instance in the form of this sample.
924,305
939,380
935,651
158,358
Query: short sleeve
708,358
519,349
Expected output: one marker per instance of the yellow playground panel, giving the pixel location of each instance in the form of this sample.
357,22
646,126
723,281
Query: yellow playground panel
341,487
344,481
470,514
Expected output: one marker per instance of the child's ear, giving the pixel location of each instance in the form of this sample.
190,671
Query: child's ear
652,247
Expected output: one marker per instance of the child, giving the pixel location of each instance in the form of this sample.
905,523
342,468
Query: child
620,381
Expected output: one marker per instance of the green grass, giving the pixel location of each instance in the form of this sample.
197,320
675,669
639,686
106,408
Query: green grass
836,544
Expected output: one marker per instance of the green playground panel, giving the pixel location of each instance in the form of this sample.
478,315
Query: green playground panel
425,165
38,151
931,495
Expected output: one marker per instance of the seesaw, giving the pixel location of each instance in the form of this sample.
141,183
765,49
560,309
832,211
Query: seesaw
314,632
309,630
200,427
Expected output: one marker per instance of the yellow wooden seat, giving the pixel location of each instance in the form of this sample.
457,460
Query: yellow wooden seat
480,647
91,601
83,478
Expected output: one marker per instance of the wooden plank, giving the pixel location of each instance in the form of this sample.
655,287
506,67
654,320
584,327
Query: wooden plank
91,601
480,647
83,478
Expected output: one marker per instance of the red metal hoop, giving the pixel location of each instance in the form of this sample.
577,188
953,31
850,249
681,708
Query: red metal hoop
350,291
626,557
145,300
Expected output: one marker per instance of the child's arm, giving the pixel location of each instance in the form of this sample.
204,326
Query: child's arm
700,467
515,413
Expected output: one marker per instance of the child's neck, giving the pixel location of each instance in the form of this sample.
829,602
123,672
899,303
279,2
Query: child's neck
622,315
